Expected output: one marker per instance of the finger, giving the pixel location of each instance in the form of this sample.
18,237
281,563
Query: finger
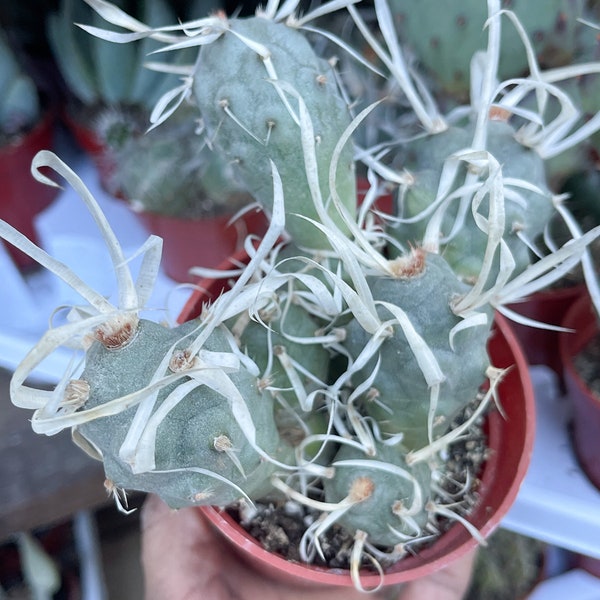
177,553
450,583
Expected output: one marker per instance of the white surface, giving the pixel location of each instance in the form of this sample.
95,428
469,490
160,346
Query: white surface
573,585
556,503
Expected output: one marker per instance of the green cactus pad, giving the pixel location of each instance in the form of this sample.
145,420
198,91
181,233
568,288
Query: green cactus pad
230,75
390,497
400,396
194,434
445,34
527,216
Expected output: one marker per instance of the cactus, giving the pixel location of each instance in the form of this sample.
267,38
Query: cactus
88,64
445,51
400,398
221,465
240,91
331,373
527,213
169,171
20,104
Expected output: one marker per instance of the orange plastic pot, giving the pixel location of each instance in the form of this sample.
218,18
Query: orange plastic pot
511,443
21,196
582,319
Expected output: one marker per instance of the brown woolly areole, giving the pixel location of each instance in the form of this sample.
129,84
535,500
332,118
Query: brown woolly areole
408,266
182,360
118,332
361,489
222,443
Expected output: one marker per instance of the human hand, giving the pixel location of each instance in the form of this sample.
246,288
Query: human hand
183,558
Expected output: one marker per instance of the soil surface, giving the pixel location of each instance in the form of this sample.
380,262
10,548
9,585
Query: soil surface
279,527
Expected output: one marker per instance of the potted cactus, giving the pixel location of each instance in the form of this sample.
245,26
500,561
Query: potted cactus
579,344
578,349
370,385
184,192
26,126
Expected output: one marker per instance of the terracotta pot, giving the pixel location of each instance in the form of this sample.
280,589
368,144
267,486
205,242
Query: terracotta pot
582,319
511,443
548,306
21,196
203,242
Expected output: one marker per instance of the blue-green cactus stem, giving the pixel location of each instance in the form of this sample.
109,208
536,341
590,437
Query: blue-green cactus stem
400,397
245,114
389,498
200,433
281,358
526,217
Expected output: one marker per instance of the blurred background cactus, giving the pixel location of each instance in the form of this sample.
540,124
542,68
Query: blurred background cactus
20,106
26,126
456,30
171,171
109,91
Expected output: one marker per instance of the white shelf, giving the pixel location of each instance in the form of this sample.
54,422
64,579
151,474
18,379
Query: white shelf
556,503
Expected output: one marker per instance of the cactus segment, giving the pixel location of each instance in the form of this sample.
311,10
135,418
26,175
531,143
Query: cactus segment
241,86
401,397
201,453
527,211
380,485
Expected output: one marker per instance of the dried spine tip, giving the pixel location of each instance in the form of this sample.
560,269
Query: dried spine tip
410,265
182,360
117,332
361,489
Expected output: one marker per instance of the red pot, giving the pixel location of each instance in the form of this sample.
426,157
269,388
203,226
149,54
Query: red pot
582,319
203,242
548,306
511,442
21,196
96,149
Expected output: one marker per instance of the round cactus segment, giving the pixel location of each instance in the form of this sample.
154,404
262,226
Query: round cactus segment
202,455
400,397
527,212
389,499
248,104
